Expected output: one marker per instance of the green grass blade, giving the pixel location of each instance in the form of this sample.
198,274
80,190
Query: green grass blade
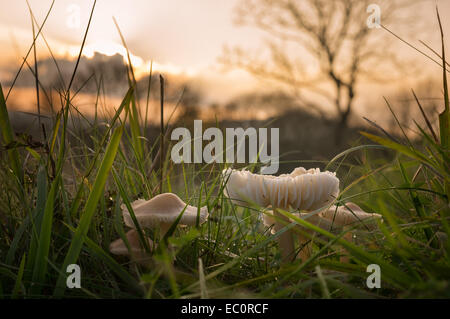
444,117
127,203
399,148
8,137
123,105
392,273
89,209
40,264
96,250
38,215
18,284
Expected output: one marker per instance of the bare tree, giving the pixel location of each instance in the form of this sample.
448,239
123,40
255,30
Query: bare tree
336,49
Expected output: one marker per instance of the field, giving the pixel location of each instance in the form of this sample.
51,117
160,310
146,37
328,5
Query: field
60,204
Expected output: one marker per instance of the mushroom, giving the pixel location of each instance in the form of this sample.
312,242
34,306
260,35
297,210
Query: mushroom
335,218
162,211
349,215
136,251
301,190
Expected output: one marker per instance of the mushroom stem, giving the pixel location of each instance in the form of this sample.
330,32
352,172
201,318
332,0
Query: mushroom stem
305,245
345,258
164,228
137,253
285,240
305,248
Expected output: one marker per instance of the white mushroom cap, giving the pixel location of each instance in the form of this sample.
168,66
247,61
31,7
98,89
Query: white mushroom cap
162,210
302,189
118,246
333,218
350,215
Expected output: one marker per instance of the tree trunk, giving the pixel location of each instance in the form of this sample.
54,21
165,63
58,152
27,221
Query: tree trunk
342,125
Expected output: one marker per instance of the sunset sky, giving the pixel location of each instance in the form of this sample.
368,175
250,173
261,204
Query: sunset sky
181,36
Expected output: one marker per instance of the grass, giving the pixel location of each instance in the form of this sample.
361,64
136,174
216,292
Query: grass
60,204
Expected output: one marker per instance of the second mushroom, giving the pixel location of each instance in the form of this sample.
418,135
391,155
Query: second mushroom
158,213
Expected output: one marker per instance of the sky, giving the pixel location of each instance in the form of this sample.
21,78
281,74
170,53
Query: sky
188,33
181,36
